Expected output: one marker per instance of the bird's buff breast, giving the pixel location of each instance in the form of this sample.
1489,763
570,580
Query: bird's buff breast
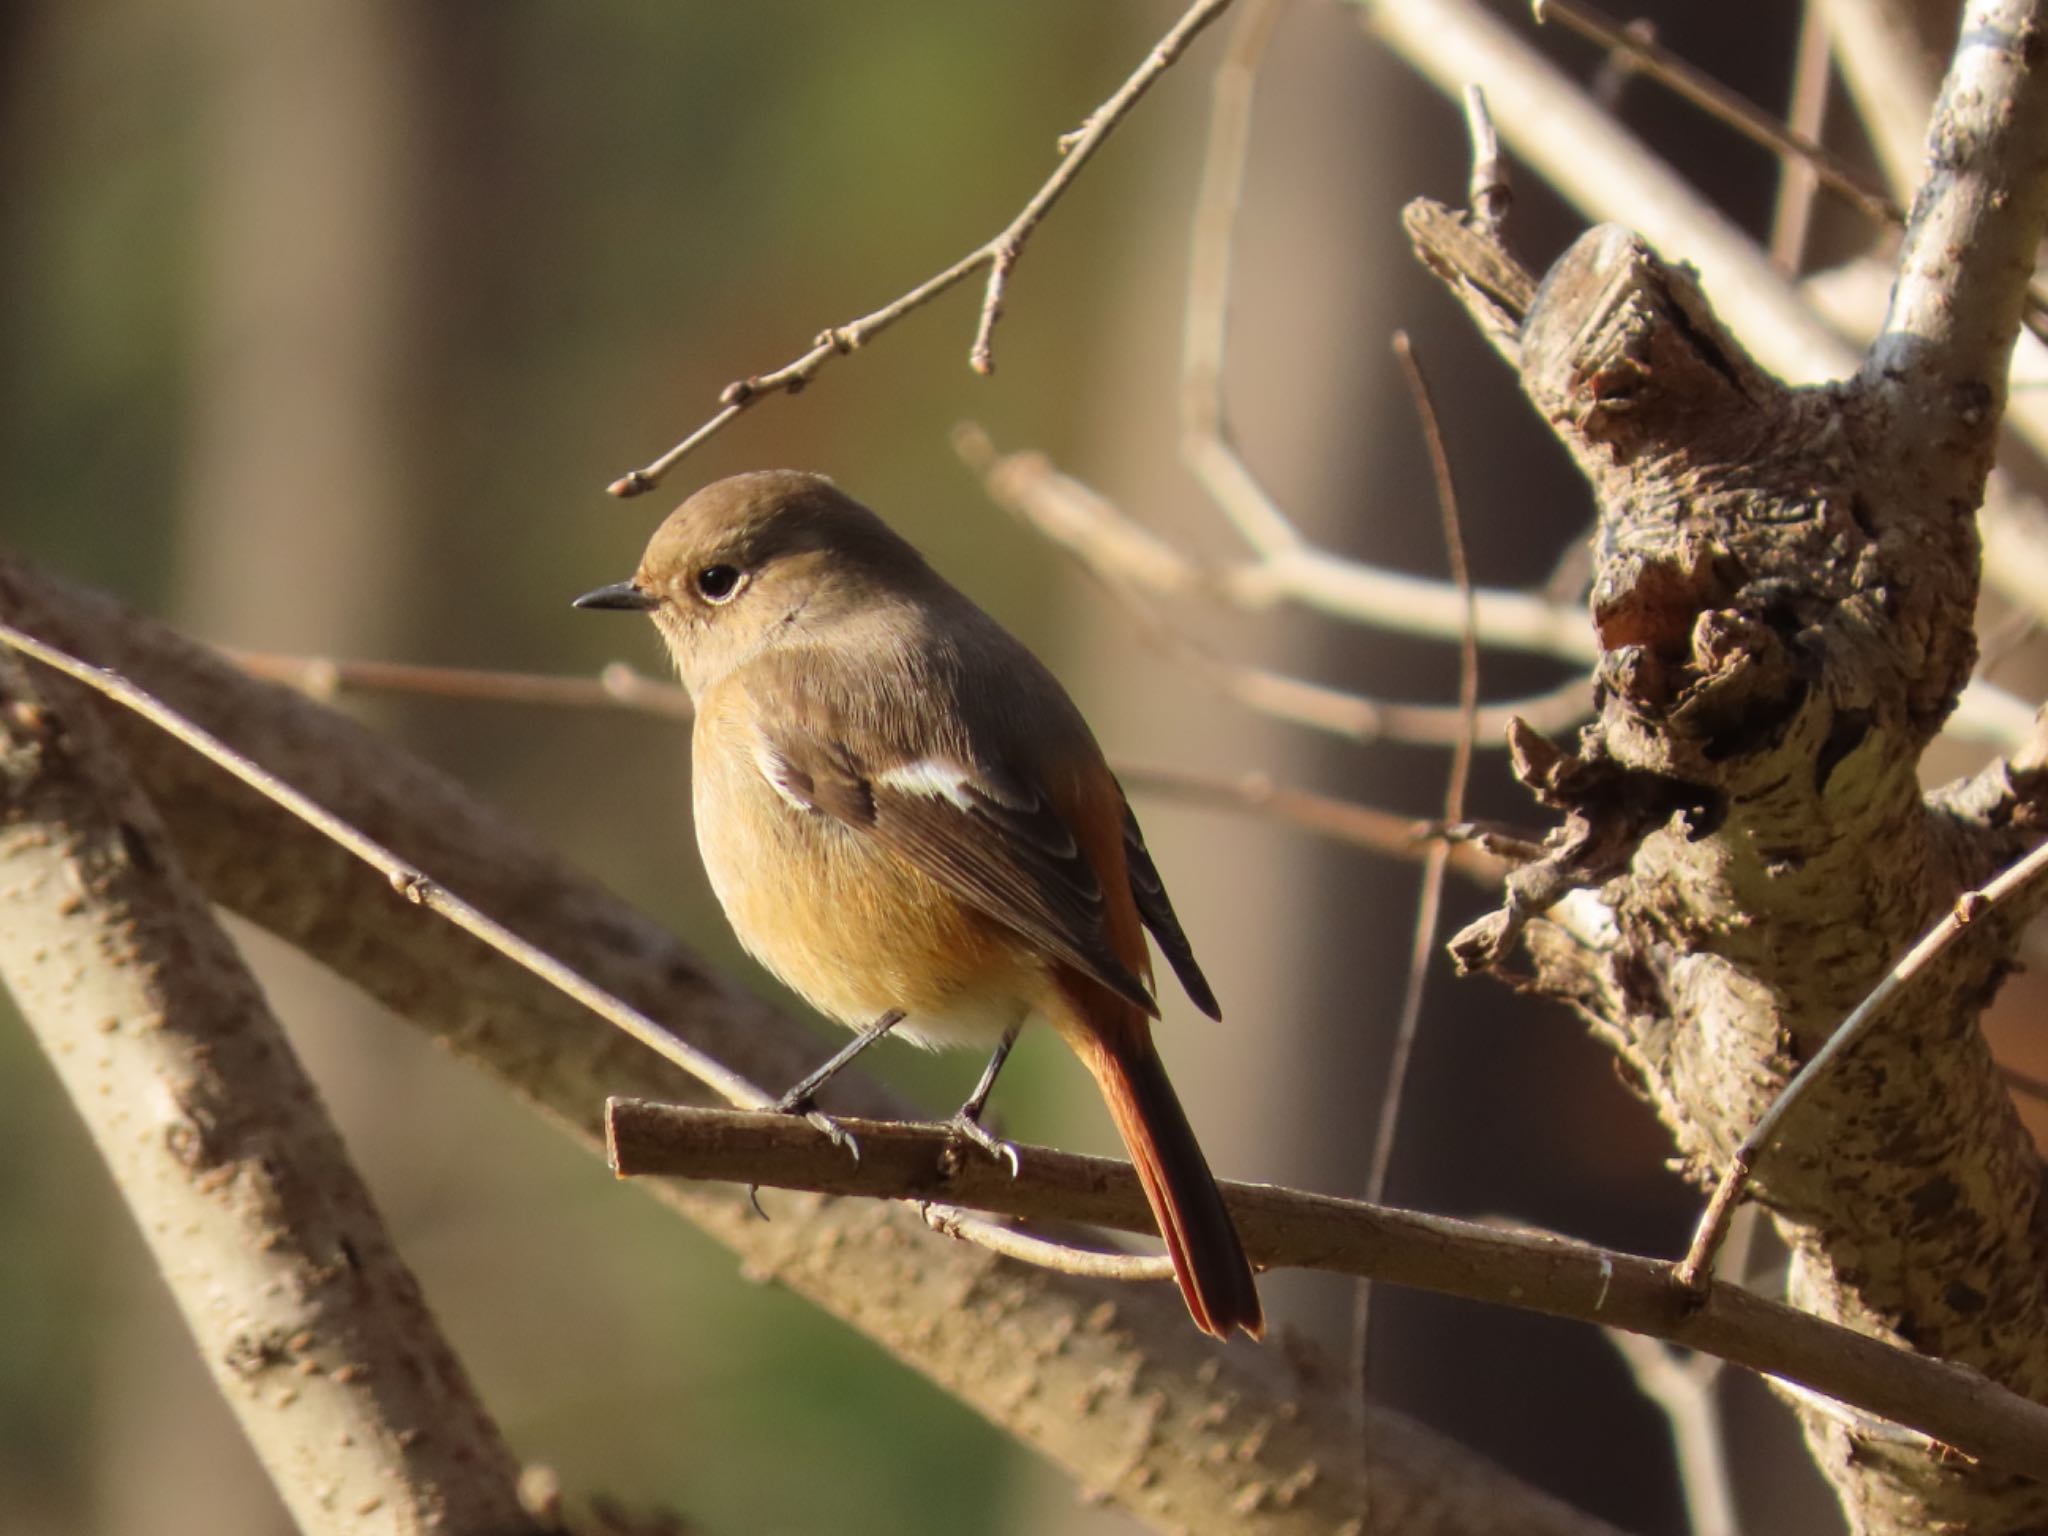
841,921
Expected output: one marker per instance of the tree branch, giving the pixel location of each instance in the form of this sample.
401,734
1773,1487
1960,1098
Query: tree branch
1606,172
1943,358
1112,1385
1785,622
1285,1228
308,1319
998,254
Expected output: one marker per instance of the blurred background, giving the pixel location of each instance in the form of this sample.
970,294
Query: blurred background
322,328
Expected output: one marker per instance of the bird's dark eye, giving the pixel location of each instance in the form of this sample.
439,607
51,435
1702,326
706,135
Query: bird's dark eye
716,583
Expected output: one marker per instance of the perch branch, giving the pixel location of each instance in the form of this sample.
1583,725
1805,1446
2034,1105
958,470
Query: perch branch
1165,1426
1286,1228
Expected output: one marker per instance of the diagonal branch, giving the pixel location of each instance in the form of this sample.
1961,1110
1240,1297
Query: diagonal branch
313,1327
1171,1428
999,255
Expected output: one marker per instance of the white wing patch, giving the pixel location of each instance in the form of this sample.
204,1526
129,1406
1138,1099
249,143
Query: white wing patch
934,777
776,771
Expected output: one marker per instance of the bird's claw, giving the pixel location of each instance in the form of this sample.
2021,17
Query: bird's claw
834,1132
823,1123
965,1125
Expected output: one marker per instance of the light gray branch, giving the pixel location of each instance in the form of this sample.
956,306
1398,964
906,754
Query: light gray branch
1942,359
309,1321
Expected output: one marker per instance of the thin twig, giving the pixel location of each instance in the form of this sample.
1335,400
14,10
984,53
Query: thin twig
617,686
1648,57
2016,887
1062,1258
1812,69
1206,445
1355,717
999,255
408,882
1095,530
1287,1228
1343,821
1683,1388
1488,196
620,686
1429,900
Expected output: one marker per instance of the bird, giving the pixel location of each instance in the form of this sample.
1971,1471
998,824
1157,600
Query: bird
907,820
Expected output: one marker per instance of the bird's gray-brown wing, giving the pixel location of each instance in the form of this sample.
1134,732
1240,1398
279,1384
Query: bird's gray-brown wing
996,842
1149,891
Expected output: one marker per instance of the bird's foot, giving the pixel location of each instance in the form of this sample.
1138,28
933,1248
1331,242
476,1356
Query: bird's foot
832,1130
967,1125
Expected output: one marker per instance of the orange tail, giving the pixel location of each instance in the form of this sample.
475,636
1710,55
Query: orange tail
1208,1260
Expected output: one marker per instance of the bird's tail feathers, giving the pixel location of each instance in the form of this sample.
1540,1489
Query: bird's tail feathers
1208,1260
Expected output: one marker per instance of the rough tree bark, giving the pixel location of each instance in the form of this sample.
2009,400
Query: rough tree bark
1784,597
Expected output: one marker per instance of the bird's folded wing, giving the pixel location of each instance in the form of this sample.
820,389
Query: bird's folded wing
997,843
1150,893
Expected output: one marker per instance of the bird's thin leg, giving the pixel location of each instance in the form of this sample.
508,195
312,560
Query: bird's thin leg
798,1100
968,1121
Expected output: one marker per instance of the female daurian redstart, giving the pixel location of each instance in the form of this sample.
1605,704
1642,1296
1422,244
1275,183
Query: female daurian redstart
907,820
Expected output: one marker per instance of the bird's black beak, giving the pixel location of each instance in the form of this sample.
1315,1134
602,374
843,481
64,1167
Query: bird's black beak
620,594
